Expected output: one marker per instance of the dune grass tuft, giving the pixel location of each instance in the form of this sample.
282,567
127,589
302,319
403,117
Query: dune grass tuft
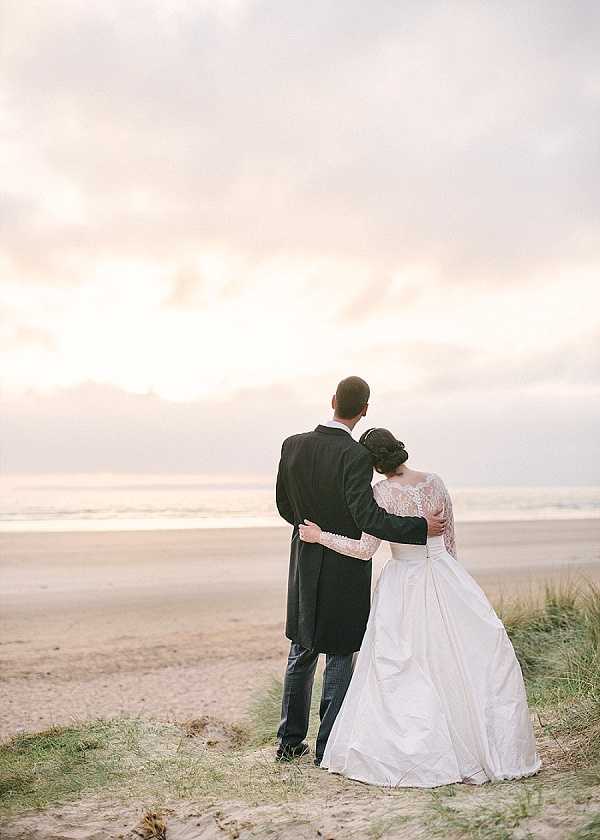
60,763
486,822
542,632
558,645
265,713
589,830
153,826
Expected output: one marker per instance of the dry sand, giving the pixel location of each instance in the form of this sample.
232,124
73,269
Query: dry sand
179,624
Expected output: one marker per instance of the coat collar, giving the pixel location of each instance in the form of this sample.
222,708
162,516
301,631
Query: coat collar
331,430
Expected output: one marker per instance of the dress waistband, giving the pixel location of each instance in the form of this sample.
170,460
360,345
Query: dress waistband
435,547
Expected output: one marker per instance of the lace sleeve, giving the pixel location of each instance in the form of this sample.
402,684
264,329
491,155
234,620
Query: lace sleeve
364,548
449,535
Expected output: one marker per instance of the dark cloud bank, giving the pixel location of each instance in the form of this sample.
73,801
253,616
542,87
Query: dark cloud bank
483,436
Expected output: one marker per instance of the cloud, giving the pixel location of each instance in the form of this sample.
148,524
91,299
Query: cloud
187,288
442,367
369,299
467,132
495,437
201,198
23,337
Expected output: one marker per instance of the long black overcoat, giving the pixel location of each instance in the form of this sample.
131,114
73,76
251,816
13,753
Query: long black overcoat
325,476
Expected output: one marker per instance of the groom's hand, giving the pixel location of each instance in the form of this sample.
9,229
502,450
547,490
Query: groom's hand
436,523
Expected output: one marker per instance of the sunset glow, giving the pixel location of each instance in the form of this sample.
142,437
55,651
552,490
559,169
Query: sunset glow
202,201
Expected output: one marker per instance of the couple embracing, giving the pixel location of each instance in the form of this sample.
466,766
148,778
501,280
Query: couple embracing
435,695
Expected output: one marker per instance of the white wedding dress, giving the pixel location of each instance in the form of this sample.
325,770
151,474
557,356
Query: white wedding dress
437,694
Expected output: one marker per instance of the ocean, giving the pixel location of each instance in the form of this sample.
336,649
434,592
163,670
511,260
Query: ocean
116,502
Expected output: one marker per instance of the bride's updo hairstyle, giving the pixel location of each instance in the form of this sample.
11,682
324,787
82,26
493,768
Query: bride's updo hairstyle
386,451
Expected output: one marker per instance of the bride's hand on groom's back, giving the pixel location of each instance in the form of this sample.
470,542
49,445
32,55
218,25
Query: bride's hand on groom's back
309,532
436,523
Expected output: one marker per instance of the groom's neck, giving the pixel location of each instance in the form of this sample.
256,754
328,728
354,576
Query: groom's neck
350,423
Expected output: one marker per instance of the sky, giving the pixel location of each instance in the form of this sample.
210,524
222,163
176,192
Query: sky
212,211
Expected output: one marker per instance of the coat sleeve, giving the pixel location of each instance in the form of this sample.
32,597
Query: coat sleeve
364,548
368,516
284,506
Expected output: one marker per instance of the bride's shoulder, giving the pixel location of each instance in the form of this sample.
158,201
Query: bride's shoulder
380,487
435,478
438,485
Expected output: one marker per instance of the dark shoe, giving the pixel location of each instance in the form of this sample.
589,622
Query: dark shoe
318,762
287,752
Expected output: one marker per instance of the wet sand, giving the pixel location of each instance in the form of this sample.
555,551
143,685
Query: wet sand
177,624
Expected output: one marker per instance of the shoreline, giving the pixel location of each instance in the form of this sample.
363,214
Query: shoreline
141,526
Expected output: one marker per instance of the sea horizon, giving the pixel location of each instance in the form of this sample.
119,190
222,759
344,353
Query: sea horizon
63,502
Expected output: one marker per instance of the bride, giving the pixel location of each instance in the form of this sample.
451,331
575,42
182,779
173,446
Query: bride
437,694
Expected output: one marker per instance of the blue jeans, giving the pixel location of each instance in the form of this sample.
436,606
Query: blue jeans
297,693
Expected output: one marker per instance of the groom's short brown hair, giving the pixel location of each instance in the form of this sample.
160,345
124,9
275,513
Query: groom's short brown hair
351,396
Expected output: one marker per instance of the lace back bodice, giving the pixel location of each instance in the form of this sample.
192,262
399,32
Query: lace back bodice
419,499
425,497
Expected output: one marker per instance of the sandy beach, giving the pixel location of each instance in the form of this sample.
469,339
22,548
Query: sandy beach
177,624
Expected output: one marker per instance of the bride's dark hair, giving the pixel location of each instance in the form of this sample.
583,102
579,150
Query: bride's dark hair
387,451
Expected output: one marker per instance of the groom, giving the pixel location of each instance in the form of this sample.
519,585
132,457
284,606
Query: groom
325,476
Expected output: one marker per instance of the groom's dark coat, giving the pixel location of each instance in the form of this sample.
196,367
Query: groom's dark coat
325,476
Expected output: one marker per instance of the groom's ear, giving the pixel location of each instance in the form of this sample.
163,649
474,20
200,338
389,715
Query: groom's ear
333,402
365,409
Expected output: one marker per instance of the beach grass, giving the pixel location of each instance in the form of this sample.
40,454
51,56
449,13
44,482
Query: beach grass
265,713
557,640
201,758
137,759
62,762
494,821
590,830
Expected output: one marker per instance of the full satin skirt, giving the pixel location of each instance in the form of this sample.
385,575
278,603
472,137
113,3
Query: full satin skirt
437,694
